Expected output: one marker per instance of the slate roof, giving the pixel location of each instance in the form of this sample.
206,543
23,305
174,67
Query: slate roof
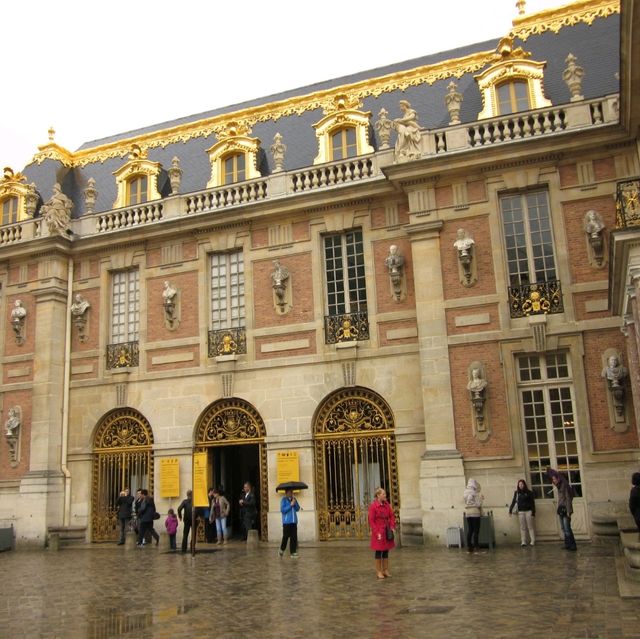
596,47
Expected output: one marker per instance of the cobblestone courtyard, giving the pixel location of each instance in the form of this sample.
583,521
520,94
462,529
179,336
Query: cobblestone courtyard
330,591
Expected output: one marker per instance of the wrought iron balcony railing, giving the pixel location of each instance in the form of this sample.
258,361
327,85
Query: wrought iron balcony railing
346,327
227,341
541,298
628,203
123,355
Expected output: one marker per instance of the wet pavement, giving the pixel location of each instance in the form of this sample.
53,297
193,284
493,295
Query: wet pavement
329,591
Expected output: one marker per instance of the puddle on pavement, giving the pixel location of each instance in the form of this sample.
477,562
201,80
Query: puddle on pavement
427,610
113,622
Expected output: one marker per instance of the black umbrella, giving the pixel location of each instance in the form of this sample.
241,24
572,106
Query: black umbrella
291,485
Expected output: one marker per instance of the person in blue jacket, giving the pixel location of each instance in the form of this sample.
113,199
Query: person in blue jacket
289,508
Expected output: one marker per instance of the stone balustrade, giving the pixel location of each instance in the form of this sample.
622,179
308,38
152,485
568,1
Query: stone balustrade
129,217
463,137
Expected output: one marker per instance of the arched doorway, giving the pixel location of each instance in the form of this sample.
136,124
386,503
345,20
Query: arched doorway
122,458
233,433
355,451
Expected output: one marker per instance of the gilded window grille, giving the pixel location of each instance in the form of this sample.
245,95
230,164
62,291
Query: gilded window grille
123,355
628,203
355,452
346,327
541,298
228,341
230,422
122,458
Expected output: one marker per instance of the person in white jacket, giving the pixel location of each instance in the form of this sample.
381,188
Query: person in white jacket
473,509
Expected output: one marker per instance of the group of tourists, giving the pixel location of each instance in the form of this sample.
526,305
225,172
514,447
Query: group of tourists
139,513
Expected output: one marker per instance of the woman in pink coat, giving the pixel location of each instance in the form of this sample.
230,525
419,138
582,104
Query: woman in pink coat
381,519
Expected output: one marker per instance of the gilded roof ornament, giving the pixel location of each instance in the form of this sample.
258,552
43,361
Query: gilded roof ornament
137,152
520,5
232,129
10,176
342,102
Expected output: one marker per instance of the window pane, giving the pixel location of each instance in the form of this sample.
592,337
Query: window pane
227,290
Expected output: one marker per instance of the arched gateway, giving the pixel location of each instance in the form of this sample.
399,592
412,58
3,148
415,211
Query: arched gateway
122,458
355,451
232,432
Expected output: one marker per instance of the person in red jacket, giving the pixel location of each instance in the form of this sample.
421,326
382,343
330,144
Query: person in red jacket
382,523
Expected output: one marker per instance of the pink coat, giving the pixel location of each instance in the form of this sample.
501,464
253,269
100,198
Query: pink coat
171,524
381,515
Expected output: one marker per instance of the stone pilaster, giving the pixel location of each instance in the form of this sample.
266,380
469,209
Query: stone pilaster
441,468
41,488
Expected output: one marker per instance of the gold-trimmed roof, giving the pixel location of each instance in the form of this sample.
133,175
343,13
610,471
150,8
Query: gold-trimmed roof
581,11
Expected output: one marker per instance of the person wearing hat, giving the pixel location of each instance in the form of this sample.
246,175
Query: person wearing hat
289,508
634,498
565,506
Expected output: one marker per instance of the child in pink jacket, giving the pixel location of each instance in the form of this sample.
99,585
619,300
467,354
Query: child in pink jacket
171,524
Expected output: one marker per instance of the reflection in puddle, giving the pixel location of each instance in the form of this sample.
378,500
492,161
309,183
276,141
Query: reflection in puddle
113,622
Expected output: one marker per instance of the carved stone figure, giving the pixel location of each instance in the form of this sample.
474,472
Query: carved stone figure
384,126
573,75
12,427
18,316
593,227
278,150
169,302
453,100
78,313
279,278
56,212
464,245
408,130
395,264
175,175
477,386
615,374
31,200
90,196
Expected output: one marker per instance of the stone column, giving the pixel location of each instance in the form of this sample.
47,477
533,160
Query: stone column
441,468
42,488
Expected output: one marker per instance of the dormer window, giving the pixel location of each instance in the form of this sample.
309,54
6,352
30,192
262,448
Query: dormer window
513,97
234,158
512,83
343,143
343,132
234,168
137,180
137,190
10,210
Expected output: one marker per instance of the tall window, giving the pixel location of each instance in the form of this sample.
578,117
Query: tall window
125,306
138,190
343,143
344,266
10,210
513,97
547,409
234,168
227,290
528,238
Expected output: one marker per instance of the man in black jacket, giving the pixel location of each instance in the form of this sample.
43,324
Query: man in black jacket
185,514
249,509
146,515
124,504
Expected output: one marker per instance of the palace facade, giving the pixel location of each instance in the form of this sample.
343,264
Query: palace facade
406,278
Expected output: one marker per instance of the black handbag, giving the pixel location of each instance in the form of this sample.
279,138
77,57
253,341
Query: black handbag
562,511
388,533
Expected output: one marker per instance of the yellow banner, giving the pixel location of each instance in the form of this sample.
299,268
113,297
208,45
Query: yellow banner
169,477
200,497
287,466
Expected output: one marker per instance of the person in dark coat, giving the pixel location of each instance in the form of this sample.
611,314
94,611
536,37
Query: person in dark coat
565,506
524,501
634,498
248,509
381,519
124,504
185,515
146,515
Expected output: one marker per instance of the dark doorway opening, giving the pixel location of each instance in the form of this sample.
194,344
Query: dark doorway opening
230,467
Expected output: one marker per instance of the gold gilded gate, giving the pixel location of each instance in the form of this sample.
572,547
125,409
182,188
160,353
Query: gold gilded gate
233,422
122,458
355,452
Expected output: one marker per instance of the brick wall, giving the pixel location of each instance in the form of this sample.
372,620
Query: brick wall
187,304
12,398
385,303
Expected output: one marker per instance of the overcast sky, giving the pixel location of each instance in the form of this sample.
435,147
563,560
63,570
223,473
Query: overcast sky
92,69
